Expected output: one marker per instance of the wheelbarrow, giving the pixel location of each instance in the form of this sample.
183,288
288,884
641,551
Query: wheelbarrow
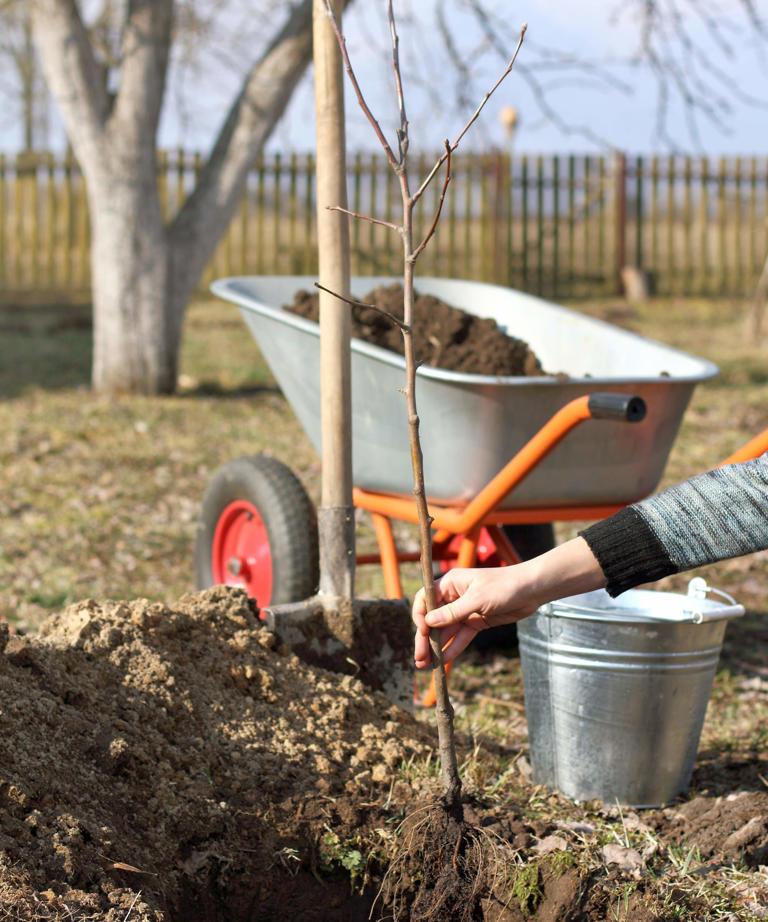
498,467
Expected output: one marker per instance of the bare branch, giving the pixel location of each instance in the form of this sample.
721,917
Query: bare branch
432,229
530,75
374,307
680,42
539,92
492,90
754,17
365,217
709,96
552,61
402,132
356,86
420,191
457,60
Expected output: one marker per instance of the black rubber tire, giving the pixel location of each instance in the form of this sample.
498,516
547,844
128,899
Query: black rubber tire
529,541
288,516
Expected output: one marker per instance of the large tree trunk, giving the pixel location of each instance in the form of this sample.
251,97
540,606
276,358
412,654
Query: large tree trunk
144,272
135,346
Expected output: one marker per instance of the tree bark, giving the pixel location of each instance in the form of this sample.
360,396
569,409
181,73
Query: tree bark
135,344
144,271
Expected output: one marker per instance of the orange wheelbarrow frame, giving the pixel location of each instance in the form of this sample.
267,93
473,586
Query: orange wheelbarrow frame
467,524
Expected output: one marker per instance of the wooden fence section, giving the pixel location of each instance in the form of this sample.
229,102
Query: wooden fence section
559,226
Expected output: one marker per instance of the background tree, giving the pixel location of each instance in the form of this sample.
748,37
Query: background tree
142,270
22,82
109,74
688,48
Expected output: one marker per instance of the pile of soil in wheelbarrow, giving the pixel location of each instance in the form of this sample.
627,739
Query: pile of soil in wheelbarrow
168,763
446,337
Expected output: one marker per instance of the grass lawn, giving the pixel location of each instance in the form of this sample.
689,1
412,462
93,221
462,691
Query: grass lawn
99,497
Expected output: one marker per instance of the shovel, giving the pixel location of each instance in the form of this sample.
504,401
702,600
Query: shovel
368,638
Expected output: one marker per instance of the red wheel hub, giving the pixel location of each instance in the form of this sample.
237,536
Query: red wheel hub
241,555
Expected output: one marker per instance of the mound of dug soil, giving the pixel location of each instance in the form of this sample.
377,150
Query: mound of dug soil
183,756
445,336
178,764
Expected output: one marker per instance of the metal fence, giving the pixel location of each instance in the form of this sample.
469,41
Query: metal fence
560,226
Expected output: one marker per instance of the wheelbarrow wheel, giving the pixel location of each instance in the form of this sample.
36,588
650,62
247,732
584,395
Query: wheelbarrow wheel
258,529
529,541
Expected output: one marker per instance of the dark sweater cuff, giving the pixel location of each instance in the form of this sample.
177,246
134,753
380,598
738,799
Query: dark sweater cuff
628,551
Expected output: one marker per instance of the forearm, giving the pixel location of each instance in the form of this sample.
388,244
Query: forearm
567,569
472,600
717,515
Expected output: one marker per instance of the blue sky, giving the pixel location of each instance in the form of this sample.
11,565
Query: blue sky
614,105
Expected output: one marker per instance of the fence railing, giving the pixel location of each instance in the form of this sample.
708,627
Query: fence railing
560,226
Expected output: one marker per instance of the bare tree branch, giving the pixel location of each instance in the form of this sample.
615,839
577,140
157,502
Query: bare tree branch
432,229
456,58
551,60
372,307
473,118
684,62
365,217
356,86
530,75
402,132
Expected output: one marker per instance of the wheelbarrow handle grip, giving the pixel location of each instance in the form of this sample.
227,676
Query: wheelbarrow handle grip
617,406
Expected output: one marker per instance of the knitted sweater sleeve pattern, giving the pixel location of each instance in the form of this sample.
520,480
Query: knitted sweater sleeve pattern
720,514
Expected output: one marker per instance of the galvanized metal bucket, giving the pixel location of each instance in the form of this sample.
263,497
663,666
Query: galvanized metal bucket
616,690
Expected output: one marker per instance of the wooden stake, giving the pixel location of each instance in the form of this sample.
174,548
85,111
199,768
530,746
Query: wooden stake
336,514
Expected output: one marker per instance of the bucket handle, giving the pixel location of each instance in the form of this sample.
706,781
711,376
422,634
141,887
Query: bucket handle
698,589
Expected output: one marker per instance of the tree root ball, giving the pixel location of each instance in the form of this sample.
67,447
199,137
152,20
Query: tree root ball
444,869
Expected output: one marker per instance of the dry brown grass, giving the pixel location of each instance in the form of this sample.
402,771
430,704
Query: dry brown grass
99,498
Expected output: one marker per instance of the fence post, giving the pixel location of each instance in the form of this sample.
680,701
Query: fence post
620,217
500,270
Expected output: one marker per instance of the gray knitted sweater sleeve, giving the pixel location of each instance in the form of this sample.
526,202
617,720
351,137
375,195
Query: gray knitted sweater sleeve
721,514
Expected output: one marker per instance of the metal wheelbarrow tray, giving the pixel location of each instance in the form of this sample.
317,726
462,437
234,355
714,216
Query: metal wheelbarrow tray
471,425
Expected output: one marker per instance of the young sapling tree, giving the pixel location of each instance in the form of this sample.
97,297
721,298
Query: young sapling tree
411,252
456,860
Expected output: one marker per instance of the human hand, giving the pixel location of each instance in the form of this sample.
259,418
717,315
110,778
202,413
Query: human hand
469,601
